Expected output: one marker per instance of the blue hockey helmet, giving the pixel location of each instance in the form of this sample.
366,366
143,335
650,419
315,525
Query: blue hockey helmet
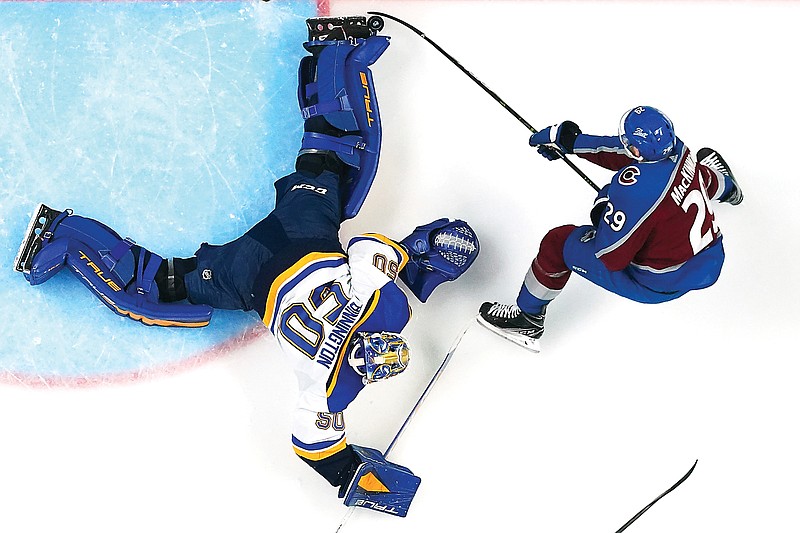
378,356
650,131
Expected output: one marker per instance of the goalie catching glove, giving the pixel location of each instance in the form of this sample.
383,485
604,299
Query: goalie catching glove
378,484
438,252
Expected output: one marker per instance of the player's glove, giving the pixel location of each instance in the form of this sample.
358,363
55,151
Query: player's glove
561,136
548,152
599,206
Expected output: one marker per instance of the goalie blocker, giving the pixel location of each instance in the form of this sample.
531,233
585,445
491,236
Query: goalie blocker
380,485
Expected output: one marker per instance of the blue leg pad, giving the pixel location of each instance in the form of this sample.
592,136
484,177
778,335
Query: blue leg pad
336,84
95,235
322,87
119,272
368,119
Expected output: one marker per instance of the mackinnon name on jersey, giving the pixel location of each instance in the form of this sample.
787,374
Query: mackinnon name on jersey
341,332
687,175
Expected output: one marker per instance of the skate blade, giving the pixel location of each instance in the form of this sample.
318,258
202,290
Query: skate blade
520,340
26,244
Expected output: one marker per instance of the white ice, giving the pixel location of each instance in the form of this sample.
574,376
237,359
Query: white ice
623,398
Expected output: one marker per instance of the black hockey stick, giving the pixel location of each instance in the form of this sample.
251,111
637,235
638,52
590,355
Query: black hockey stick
488,90
649,505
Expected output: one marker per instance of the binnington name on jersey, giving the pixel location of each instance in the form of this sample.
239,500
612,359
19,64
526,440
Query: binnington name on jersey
340,333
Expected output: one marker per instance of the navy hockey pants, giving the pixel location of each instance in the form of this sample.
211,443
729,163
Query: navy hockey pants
306,218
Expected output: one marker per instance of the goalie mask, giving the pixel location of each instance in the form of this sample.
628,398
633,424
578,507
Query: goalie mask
378,356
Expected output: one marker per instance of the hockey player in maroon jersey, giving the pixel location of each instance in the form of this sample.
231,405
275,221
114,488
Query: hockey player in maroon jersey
653,236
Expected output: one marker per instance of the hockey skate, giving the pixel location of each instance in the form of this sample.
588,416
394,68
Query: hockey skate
343,28
511,323
711,159
38,229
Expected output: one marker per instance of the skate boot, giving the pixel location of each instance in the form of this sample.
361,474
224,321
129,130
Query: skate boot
510,322
711,159
40,228
343,28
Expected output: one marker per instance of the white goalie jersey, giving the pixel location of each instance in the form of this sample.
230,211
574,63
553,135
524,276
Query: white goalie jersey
313,309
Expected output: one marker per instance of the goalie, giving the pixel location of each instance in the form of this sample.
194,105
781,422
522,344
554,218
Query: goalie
337,315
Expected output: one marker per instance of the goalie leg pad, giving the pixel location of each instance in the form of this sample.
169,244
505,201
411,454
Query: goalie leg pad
119,272
438,252
380,485
368,118
321,87
336,84
112,249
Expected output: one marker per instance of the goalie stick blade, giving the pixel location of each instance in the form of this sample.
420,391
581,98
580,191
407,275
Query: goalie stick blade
520,340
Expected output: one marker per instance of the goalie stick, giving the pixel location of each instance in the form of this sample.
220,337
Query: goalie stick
488,90
417,405
427,391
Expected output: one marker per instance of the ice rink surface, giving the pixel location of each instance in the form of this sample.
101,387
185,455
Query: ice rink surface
192,433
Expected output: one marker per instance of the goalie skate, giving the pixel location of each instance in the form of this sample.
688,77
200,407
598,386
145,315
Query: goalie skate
38,229
343,28
509,322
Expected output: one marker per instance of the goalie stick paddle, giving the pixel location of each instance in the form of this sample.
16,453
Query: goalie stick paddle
417,405
491,93
649,505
